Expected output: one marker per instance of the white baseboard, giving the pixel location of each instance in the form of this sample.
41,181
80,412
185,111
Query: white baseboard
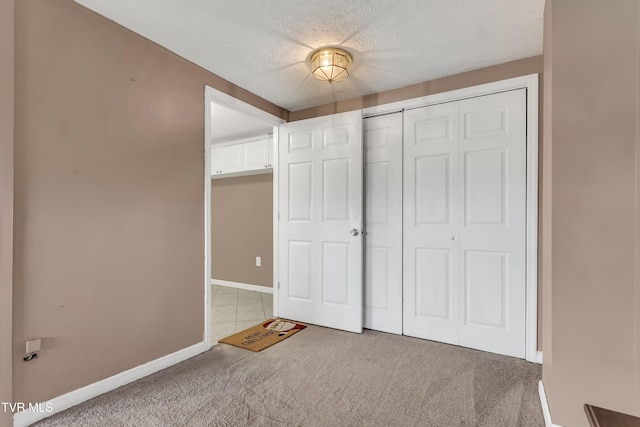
545,406
246,286
66,401
539,357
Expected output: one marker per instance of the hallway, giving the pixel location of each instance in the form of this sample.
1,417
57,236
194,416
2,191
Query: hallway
233,310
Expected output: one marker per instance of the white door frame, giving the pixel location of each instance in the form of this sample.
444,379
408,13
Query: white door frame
530,83
221,98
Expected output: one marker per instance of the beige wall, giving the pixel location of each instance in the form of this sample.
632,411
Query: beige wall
592,353
108,260
545,207
6,201
494,73
242,229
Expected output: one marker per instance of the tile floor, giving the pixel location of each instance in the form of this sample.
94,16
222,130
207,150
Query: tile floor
233,310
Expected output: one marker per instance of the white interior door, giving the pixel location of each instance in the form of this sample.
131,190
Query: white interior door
493,222
383,223
320,221
431,222
464,222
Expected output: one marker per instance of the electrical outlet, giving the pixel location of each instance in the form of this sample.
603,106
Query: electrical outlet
258,261
33,345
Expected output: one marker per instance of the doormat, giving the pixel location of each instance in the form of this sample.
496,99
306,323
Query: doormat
264,335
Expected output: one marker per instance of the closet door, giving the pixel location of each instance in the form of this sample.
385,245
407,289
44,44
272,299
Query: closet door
320,221
464,222
383,223
493,222
430,225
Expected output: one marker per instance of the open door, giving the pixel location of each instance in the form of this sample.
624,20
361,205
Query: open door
320,221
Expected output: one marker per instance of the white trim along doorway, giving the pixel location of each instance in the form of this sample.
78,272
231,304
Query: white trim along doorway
529,83
212,95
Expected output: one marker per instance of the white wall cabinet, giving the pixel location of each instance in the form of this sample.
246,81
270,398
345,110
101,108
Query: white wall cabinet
230,159
242,158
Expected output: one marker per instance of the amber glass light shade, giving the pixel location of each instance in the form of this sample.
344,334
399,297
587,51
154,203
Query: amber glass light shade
330,64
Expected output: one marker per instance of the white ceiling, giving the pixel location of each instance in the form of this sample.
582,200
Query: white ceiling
230,125
264,45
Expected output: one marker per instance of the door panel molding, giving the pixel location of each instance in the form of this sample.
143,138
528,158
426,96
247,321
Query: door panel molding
484,231
430,223
320,189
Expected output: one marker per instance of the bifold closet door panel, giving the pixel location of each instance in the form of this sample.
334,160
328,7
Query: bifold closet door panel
430,224
464,222
383,223
492,236
320,217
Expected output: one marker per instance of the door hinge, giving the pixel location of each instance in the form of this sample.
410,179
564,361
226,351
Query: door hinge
278,285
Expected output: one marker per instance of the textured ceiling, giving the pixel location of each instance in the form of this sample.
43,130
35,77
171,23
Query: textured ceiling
229,125
264,45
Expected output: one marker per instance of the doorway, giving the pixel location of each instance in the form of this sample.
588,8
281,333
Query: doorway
229,119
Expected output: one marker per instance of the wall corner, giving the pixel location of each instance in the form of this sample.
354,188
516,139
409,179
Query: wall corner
7,73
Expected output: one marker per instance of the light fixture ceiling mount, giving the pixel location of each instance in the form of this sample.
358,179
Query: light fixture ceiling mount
330,64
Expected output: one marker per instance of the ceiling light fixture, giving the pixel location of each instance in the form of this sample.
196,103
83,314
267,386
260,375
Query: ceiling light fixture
330,64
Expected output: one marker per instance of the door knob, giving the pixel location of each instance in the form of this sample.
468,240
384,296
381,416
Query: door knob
452,238
354,232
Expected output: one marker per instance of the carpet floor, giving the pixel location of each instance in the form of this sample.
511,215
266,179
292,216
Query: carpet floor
324,377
